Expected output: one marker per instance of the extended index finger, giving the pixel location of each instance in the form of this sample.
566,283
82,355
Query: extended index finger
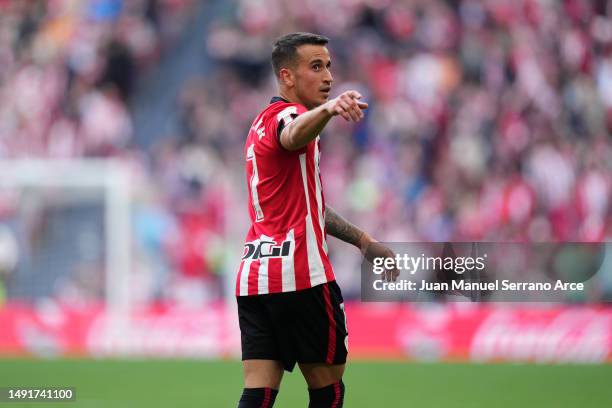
354,94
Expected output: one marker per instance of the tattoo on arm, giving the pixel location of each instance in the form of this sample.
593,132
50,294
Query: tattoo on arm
337,226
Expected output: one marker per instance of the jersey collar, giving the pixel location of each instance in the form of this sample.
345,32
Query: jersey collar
278,99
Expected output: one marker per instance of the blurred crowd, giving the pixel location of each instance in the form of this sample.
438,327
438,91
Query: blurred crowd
489,120
68,70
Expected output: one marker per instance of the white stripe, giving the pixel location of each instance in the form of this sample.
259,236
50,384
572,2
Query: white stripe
315,264
288,265
244,277
246,269
319,195
262,280
262,276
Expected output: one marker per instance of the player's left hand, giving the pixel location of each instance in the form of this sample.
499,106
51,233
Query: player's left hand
371,248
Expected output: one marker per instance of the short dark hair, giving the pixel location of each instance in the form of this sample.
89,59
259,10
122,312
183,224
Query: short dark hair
285,48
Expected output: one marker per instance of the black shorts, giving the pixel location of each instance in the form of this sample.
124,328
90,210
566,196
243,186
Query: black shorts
307,326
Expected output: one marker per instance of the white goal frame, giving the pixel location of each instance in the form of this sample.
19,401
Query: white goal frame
113,178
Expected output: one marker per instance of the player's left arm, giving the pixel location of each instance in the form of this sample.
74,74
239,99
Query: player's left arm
337,226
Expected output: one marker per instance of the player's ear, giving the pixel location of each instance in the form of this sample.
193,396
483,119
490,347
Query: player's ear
286,77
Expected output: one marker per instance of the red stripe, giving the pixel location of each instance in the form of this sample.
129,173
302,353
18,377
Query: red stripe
275,275
329,271
266,401
253,278
238,278
331,340
337,394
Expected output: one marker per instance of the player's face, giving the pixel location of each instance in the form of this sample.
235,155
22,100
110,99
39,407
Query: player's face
313,78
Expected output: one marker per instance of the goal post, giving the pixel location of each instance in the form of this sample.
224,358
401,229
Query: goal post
112,178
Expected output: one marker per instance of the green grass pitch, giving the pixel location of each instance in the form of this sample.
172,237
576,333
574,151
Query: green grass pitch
194,383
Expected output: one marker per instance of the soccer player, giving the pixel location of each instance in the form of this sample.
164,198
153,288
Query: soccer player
289,306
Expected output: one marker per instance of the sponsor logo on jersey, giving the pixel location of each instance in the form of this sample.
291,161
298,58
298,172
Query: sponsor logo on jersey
266,249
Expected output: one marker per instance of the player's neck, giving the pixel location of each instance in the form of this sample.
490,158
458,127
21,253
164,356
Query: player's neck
289,96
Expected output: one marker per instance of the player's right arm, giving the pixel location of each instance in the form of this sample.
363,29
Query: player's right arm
309,125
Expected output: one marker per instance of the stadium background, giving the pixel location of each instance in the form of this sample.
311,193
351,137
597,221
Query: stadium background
489,120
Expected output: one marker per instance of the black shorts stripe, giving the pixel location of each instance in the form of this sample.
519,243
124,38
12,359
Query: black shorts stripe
331,341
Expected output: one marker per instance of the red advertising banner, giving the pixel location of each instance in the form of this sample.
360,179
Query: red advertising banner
458,331
481,333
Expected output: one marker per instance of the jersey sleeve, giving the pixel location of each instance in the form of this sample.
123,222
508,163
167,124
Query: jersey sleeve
276,121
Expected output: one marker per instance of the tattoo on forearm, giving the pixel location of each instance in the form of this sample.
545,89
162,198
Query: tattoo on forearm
337,226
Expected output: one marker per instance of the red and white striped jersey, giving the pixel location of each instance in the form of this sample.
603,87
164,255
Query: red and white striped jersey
286,248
